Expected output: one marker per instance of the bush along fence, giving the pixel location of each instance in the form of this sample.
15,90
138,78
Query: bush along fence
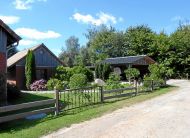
75,98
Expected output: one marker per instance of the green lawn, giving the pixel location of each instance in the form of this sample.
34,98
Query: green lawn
37,128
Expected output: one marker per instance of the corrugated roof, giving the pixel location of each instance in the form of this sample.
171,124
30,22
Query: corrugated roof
20,55
124,60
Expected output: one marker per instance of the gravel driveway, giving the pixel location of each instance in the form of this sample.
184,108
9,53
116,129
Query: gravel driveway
167,116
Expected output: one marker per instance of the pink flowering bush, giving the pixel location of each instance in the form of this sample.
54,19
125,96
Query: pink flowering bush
39,85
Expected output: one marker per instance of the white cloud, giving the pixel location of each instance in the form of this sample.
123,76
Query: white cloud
177,18
102,18
34,34
26,42
10,19
25,4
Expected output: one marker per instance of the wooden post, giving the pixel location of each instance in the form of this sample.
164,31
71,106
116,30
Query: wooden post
152,85
56,101
165,81
102,94
136,88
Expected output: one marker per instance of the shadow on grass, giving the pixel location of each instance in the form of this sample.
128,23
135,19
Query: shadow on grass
29,97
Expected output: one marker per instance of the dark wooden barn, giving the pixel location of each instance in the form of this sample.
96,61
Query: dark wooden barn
119,64
46,62
8,39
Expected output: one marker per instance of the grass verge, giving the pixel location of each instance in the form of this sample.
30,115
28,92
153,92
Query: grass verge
37,128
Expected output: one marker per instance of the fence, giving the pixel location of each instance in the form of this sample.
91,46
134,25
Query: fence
76,98
53,106
145,86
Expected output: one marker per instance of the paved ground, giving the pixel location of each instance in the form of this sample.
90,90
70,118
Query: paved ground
167,116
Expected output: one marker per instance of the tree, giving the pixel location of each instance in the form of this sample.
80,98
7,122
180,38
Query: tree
102,71
68,55
105,42
132,73
179,55
139,40
30,69
83,59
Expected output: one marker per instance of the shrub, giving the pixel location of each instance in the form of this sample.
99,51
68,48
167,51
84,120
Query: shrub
13,93
39,85
30,69
113,82
102,71
159,71
52,83
63,73
78,81
132,73
83,70
157,81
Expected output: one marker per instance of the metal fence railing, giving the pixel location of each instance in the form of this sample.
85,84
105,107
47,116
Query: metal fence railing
76,98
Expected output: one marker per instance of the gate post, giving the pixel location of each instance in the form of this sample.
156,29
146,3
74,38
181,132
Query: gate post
56,101
101,94
136,88
152,85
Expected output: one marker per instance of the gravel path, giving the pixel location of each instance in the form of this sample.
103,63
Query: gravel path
166,116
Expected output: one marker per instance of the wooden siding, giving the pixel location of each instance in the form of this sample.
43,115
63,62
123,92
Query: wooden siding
3,41
141,62
43,59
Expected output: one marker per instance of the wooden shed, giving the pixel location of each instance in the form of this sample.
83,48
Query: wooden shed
7,40
46,62
119,64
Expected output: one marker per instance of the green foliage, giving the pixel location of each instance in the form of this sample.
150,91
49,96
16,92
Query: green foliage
132,73
102,71
30,69
180,54
68,55
78,81
107,42
139,40
113,82
55,83
158,73
63,73
83,59
83,70
172,51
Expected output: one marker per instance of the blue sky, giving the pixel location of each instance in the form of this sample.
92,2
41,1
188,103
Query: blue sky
52,21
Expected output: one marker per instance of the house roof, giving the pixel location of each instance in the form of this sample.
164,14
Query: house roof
12,36
22,54
129,60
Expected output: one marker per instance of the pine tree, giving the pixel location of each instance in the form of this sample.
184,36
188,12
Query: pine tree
30,69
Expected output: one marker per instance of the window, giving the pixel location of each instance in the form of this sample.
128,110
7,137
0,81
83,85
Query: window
41,74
